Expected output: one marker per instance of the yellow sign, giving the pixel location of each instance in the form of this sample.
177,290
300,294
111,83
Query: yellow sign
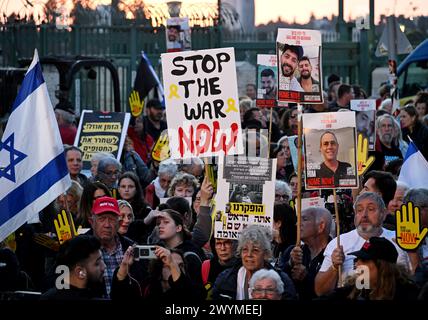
247,208
364,162
135,103
64,229
408,233
161,150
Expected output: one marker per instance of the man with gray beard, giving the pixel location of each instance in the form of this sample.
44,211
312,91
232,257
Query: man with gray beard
385,142
369,214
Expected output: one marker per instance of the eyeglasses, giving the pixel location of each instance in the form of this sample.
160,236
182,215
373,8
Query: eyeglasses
227,244
267,291
104,218
281,197
112,173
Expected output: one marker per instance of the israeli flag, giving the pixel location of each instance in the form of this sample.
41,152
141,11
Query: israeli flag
33,170
414,171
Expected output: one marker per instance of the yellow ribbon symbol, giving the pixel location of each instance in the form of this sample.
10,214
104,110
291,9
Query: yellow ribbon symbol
231,105
173,92
363,150
408,233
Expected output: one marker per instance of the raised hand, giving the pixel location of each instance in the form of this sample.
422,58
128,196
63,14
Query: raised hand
207,191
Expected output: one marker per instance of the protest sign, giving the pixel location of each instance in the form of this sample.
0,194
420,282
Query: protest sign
410,233
244,194
292,143
161,150
316,202
178,37
365,113
101,132
202,103
267,75
299,65
330,150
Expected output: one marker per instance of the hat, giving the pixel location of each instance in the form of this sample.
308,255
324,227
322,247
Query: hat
298,50
377,248
154,103
105,205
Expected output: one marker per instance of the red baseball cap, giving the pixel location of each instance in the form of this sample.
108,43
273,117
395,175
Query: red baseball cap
105,205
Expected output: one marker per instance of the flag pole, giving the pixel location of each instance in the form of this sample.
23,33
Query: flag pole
299,172
270,130
336,212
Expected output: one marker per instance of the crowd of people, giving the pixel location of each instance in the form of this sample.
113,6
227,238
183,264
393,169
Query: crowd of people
121,207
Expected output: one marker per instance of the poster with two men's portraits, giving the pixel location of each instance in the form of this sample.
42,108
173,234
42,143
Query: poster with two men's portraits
299,66
330,150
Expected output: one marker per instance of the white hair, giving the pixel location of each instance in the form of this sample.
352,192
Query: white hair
99,155
267,274
403,186
168,167
283,188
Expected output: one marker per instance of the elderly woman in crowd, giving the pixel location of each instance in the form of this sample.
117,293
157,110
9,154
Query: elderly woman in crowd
266,285
283,193
254,249
223,257
158,188
96,157
108,172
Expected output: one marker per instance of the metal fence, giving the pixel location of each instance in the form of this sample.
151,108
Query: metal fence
123,45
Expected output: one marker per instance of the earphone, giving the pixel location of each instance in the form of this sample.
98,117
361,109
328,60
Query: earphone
82,274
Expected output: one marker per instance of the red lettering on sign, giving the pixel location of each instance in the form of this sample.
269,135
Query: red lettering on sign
193,140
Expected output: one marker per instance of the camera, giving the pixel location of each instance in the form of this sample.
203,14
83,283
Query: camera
144,252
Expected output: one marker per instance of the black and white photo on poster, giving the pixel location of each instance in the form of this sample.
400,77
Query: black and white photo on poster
244,194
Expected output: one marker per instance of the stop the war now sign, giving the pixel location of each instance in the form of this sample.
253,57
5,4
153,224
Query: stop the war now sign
202,105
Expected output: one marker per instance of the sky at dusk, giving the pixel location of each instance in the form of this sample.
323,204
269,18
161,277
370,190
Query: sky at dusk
267,10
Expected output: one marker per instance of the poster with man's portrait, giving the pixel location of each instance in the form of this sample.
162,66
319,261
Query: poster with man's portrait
365,116
330,150
299,65
178,37
267,80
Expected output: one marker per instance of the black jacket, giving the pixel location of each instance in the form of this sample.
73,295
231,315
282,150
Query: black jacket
225,287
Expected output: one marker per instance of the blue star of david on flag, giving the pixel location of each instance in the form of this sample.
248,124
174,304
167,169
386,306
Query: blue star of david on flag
15,157
33,170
